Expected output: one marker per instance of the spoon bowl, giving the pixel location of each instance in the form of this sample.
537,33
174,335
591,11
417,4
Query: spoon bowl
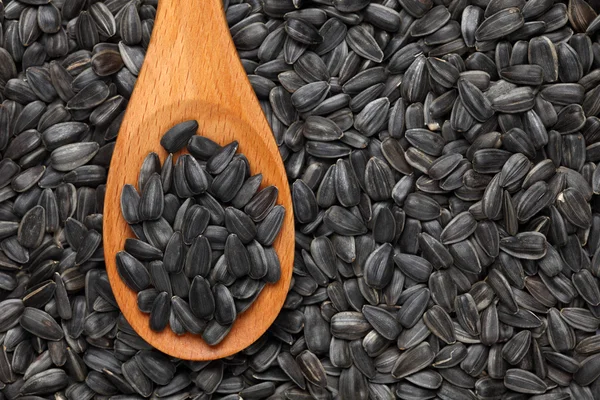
192,71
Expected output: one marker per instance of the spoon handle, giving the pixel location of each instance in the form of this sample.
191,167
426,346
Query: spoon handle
192,56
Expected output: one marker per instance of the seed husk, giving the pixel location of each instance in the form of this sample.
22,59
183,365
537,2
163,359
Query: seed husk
202,301
530,246
159,314
48,381
132,271
440,324
573,207
543,53
302,31
177,137
41,324
500,24
522,381
413,360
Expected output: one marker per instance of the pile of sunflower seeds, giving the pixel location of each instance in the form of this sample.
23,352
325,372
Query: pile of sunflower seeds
443,158
203,251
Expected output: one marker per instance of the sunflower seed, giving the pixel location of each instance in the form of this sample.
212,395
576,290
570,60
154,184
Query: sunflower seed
32,227
132,271
500,24
302,32
177,137
579,318
572,206
48,381
413,360
522,381
440,324
41,324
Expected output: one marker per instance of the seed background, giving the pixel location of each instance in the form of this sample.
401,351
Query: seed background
456,277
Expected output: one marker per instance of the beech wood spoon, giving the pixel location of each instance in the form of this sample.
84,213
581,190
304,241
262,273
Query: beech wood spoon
192,71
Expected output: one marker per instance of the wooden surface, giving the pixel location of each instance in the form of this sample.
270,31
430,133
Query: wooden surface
192,71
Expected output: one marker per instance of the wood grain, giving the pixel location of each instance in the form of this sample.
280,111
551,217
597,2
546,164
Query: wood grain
192,71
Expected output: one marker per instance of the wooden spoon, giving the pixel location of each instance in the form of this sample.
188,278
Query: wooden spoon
192,71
